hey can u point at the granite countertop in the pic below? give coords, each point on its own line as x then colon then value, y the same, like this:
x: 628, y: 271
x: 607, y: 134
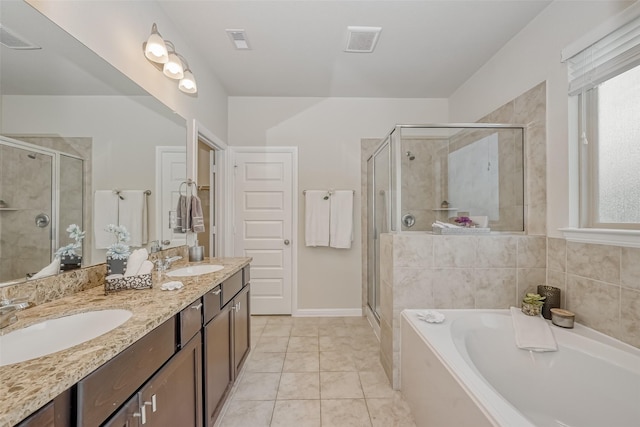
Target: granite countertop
x: 27, y: 386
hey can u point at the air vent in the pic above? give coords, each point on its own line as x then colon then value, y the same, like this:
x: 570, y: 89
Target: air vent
x: 239, y: 39
x: 12, y: 40
x: 362, y: 39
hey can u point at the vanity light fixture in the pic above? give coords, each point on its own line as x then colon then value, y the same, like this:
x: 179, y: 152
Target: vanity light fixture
x: 162, y: 54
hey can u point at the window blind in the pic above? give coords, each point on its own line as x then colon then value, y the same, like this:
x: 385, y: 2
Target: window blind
x: 613, y: 54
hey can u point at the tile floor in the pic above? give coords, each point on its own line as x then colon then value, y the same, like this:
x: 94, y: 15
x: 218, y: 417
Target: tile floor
x: 312, y: 372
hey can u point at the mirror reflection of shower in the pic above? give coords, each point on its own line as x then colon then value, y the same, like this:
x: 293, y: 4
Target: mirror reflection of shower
x: 42, y: 192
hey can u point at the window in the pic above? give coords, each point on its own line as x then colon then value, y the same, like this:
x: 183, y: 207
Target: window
x: 610, y: 155
x: 604, y: 77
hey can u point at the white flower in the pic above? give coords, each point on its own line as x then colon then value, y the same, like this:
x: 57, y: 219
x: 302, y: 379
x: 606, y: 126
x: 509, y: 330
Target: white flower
x: 69, y: 250
x: 75, y: 232
x: 118, y: 251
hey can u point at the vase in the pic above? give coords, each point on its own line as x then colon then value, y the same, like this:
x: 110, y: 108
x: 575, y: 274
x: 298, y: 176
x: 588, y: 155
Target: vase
x: 531, y: 309
x: 552, y: 299
x: 70, y: 262
x: 116, y: 266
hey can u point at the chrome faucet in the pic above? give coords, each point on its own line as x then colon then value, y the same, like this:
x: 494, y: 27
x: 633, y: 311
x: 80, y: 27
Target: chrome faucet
x: 163, y: 265
x: 8, y: 309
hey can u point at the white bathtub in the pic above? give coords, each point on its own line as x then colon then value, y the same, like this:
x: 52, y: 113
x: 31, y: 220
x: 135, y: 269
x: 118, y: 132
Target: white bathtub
x: 467, y: 371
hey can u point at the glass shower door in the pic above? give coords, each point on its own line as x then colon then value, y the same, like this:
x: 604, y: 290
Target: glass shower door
x: 26, y: 213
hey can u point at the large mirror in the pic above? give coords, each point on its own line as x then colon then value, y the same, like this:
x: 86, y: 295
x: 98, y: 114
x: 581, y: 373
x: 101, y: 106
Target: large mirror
x: 73, y: 130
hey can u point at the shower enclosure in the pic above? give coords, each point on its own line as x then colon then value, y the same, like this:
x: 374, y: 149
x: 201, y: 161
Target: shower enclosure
x: 420, y: 174
x: 41, y: 193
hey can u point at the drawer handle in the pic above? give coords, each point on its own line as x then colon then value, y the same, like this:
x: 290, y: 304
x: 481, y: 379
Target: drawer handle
x: 216, y: 292
x: 152, y: 403
x: 142, y: 414
x: 197, y: 307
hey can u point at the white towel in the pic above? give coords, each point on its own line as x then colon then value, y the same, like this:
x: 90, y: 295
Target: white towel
x: 316, y: 219
x: 146, y: 268
x: 133, y: 215
x: 49, y: 270
x: 532, y: 332
x: 135, y: 261
x: 105, y: 212
x: 341, y: 219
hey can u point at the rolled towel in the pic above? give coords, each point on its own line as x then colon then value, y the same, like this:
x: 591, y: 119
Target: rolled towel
x: 146, y: 268
x: 49, y: 270
x: 532, y: 332
x: 171, y: 286
x: 135, y: 261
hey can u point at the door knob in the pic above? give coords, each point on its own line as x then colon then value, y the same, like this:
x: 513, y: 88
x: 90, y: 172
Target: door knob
x: 42, y: 220
x: 286, y: 242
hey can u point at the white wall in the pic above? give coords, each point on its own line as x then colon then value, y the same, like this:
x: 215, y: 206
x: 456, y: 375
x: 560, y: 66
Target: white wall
x: 327, y: 132
x: 123, y: 151
x: 115, y: 30
x: 529, y: 58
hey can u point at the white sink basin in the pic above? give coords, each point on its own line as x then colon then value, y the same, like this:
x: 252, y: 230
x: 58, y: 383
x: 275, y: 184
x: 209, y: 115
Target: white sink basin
x: 58, y: 334
x: 195, y: 270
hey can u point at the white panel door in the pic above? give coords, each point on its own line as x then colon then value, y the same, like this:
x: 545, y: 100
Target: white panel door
x: 263, y: 226
x: 172, y: 164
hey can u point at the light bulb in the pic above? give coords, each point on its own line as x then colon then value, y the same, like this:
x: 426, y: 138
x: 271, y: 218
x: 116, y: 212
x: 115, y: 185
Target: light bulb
x: 188, y: 82
x: 173, y: 67
x: 156, y: 50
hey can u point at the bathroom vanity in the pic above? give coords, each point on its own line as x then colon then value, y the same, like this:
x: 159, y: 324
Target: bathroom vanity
x: 172, y: 363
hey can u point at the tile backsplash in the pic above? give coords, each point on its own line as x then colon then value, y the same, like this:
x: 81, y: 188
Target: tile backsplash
x: 600, y: 283
x: 47, y: 289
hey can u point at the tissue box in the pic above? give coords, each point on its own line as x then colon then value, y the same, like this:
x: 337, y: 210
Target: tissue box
x: 143, y: 281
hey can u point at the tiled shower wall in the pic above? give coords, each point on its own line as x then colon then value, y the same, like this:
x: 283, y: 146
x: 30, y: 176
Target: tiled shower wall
x: 420, y: 270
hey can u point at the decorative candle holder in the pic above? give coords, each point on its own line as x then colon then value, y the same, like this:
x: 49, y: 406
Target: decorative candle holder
x: 552, y: 299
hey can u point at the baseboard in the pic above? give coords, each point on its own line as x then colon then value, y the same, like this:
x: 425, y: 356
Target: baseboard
x: 328, y: 312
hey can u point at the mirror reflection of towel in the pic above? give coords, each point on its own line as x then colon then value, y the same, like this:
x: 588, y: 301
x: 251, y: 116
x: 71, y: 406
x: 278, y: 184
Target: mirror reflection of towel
x: 183, y: 215
x: 197, y: 218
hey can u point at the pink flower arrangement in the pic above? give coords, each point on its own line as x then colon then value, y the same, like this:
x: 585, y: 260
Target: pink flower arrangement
x: 464, y: 221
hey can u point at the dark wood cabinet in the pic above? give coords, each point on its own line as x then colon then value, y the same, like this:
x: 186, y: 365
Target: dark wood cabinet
x: 128, y: 416
x: 173, y: 396
x: 241, y: 329
x: 218, y: 375
x: 56, y: 413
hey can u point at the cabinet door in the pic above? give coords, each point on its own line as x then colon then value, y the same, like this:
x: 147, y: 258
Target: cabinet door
x: 44, y: 417
x: 217, y: 363
x: 173, y: 397
x: 128, y: 416
x: 241, y: 329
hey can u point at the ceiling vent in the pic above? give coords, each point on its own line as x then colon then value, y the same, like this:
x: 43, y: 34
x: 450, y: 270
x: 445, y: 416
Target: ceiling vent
x: 239, y: 39
x: 362, y: 39
x: 12, y: 40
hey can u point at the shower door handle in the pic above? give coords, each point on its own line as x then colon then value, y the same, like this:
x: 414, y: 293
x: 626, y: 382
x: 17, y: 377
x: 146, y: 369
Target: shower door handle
x: 286, y: 242
x: 42, y: 220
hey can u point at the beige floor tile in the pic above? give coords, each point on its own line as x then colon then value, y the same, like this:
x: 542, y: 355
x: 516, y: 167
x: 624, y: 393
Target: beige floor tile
x: 392, y: 412
x: 301, y: 362
x: 259, y: 320
x: 304, y: 330
x: 336, y: 361
x: 302, y: 344
x: 248, y: 413
x: 340, y: 385
x: 331, y: 321
x: 366, y: 360
x: 265, y: 362
x: 257, y: 386
x: 333, y: 343
x: 296, y: 413
x: 276, y: 330
x: 306, y: 321
x: 375, y: 384
x: 298, y: 386
x: 357, y: 321
x: 279, y: 320
x: 344, y: 413
x: 268, y: 344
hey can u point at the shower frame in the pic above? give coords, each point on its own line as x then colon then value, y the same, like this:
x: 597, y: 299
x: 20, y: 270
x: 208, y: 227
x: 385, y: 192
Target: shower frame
x: 394, y: 209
